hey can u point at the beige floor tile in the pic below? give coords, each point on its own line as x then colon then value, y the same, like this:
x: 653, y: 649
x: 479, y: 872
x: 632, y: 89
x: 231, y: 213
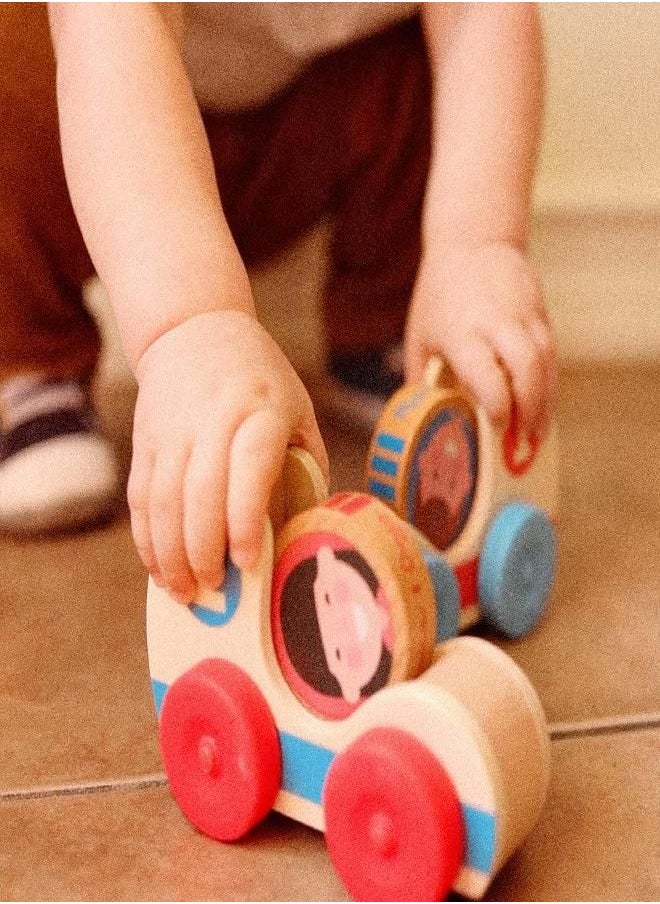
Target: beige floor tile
x: 74, y: 689
x: 137, y: 846
x: 595, y: 654
x: 597, y: 840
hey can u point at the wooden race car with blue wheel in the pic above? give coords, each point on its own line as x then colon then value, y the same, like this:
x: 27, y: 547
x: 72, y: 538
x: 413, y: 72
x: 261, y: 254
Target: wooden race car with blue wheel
x: 486, y: 498
x: 320, y: 684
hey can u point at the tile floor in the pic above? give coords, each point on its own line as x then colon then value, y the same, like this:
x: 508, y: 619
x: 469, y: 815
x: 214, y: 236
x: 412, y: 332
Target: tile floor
x: 85, y: 813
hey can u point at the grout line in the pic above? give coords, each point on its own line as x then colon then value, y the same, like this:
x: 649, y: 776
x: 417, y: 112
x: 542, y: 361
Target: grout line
x: 558, y: 731
x: 594, y: 727
x: 139, y: 783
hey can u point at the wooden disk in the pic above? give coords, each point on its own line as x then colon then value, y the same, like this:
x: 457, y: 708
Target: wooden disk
x: 353, y: 606
x: 423, y: 460
x: 301, y: 486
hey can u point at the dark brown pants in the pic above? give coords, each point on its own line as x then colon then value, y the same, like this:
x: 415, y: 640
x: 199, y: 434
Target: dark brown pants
x: 349, y: 138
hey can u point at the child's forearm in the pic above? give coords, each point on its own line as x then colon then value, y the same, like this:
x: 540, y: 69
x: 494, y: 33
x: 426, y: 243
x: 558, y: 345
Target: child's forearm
x: 487, y: 74
x: 140, y: 171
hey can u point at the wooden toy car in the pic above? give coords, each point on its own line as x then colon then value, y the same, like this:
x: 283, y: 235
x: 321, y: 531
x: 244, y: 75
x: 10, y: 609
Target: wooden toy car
x: 316, y: 688
x: 486, y: 498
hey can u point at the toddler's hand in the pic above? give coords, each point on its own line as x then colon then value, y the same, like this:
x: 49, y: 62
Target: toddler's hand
x: 218, y: 404
x: 482, y: 309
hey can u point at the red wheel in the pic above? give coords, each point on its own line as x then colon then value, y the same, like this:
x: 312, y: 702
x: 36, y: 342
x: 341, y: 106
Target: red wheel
x: 394, y: 827
x: 220, y: 748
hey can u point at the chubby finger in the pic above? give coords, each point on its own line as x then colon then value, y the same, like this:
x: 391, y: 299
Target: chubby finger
x: 415, y: 356
x: 541, y: 333
x: 476, y: 365
x: 204, y: 515
x: 523, y: 362
x: 166, y: 523
x: 256, y: 458
x: 137, y: 494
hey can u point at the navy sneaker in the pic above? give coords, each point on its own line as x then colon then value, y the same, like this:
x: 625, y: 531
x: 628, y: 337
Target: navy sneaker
x: 57, y: 470
x: 358, y: 384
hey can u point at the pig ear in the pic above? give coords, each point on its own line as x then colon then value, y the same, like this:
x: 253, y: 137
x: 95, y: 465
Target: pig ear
x: 325, y: 556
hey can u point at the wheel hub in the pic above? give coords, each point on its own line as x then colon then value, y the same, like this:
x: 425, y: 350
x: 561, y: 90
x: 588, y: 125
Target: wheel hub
x: 382, y: 834
x: 208, y: 755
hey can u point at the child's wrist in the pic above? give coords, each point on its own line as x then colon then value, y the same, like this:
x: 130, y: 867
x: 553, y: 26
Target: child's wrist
x: 439, y: 246
x: 441, y: 230
x: 147, y: 309
x: 201, y: 320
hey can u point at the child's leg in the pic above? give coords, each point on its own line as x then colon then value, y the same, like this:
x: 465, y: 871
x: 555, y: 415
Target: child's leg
x: 56, y: 470
x: 43, y: 261
x: 384, y: 88
x: 352, y: 137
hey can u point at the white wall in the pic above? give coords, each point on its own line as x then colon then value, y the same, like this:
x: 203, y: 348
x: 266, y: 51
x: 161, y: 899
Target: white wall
x: 602, y: 130
x: 597, y: 236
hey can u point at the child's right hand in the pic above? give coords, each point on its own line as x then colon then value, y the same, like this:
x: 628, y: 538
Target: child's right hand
x: 218, y: 405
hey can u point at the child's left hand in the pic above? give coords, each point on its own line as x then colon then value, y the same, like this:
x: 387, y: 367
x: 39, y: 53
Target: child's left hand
x: 481, y: 308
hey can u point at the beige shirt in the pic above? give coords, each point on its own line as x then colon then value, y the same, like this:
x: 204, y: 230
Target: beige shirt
x: 239, y: 55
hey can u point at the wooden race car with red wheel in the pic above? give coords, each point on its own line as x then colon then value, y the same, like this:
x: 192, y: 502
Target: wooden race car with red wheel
x: 321, y: 684
x: 485, y: 497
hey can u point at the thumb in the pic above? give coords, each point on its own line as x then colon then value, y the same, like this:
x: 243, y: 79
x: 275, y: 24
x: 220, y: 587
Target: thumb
x: 415, y: 356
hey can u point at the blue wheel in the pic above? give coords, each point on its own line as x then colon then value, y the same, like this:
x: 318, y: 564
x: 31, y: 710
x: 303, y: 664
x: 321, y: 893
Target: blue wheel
x: 516, y: 568
x: 447, y: 598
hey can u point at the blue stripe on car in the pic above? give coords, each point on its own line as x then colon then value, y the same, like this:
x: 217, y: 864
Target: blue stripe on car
x: 384, y: 465
x: 390, y: 443
x: 304, y: 766
x: 158, y: 689
x: 381, y: 489
x: 480, y: 835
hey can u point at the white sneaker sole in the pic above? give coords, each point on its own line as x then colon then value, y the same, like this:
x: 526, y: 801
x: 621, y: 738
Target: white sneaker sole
x: 60, y: 483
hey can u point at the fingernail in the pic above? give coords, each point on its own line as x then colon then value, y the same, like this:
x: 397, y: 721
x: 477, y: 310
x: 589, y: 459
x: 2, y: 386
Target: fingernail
x: 243, y: 558
x: 184, y: 596
x: 212, y: 581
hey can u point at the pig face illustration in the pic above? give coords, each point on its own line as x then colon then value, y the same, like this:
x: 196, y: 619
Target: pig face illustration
x: 353, y: 620
x: 445, y: 482
x: 444, y: 467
